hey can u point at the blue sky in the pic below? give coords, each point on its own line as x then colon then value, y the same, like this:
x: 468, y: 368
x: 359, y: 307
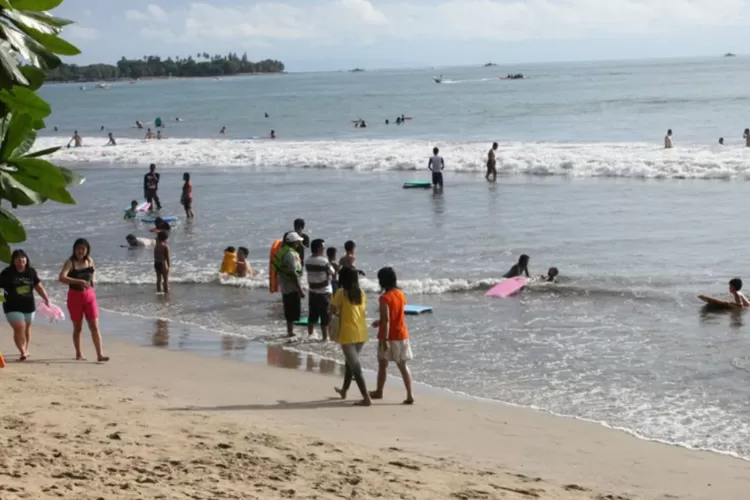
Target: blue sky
x: 342, y: 34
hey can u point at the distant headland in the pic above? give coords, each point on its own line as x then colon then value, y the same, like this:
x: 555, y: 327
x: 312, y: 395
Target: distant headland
x: 202, y: 65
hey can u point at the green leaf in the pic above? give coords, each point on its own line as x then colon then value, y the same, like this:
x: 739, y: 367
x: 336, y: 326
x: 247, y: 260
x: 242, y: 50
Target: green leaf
x: 29, y: 24
x: 41, y: 57
x: 38, y: 124
x: 73, y: 177
x: 23, y: 100
x: 48, y: 18
x: 44, y: 152
x: 5, y: 4
x: 36, y: 5
x: 5, y: 251
x: 10, y: 72
x: 43, y: 188
x: 11, y: 229
x: 18, y: 129
x: 25, y: 146
x: 53, y: 43
x: 34, y: 76
x: 44, y: 171
x: 16, y: 192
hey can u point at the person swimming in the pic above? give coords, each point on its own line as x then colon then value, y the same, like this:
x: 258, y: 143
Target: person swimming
x: 159, y: 136
x: 551, y: 276
x: 519, y: 269
x: 138, y: 124
x: 132, y: 211
x: 149, y: 134
x: 112, y: 141
x: 161, y: 225
x: 135, y: 242
x: 273, y: 134
x: 746, y: 136
x: 721, y: 141
x: 223, y: 130
x: 735, y: 287
x: 229, y: 261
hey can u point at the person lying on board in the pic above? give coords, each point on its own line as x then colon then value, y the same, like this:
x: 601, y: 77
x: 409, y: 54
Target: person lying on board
x: 135, y: 242
x: 551, y: 276
x: 735, y: 285
x: 519, y: 269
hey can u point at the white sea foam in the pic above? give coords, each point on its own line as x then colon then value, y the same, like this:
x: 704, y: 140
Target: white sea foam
x: 634, y: 160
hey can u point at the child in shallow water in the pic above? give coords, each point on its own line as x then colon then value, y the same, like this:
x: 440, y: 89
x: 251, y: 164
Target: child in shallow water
x: 735, y: 285
x: 242, y: 267
x: 132, y: 211
x: 519, y: 269
x: 551, y: 276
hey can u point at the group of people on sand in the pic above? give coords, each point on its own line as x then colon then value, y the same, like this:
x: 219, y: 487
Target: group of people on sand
x: 20, y: 280
x: 668, y: 144
x: 337, y: 302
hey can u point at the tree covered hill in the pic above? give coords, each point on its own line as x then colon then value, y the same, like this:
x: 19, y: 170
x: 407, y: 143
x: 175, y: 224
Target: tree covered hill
x: 156, y: 67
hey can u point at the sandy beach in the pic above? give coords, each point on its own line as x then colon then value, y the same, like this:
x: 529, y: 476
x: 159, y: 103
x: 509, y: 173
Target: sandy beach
x: 172, y: 425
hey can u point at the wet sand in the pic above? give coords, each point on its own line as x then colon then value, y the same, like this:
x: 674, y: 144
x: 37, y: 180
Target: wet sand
x: 174, y: 425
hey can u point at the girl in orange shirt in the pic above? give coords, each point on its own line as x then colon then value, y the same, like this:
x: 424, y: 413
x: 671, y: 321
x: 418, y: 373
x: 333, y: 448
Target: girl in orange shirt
x: 393, y: 336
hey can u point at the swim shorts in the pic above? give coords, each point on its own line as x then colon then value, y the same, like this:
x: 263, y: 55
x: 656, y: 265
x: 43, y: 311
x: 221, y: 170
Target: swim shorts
x: 292, y: 306
x: 319, y: 306
x: 82, y: 303
x: 437, y: 179
x: 15, y: 317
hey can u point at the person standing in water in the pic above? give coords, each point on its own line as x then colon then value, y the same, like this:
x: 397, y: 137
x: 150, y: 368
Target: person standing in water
x: 746, y: 136
x: 162, y: 262
x: 436, y: 166
x: 76, y: 139
x: 186, y: 199
x: 79, y: 273
x: 112, y: 141
x: 668, y: 139
x: 151, y: 187
x: 491, y: 164
x: 319, y: 276
x: 288, y: 266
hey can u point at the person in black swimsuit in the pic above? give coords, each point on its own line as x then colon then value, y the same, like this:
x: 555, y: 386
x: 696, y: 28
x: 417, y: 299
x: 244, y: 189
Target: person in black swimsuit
x: 151, y: 187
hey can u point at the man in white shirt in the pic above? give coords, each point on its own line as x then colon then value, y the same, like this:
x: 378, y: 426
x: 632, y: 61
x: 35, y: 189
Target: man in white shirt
x: 436, y: 166
x: 319, y: 275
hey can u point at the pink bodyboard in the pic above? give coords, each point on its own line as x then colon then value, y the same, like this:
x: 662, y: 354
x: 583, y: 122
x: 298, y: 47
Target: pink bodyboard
x: 507, y: 287
x: 51, y: 312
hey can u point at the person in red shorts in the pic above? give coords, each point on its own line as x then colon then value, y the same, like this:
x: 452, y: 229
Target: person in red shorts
x: 79, y: 273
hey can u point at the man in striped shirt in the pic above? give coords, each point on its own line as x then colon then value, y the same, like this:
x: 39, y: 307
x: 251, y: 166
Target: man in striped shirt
x: 319, y: 275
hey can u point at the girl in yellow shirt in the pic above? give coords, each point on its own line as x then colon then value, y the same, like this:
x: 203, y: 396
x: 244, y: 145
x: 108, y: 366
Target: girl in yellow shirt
x: 350, y: 303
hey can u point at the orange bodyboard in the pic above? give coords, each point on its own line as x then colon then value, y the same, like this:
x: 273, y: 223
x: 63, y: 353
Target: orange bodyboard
x: 273, y: 282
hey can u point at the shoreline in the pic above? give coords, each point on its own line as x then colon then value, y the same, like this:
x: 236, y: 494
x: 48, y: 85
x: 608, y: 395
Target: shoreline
x: 150, y: 78
x: 476, y: 434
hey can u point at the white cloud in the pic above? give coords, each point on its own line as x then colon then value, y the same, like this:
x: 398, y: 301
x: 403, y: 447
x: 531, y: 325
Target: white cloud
x: 153, y: 13
x: 80, y: 33
x: 361, y: 21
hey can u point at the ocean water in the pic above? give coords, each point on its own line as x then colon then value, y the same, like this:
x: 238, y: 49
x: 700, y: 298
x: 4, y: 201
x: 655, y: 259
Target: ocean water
x: 637, y: 232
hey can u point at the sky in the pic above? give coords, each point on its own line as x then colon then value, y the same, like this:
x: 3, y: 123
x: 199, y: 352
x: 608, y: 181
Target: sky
x: 312, y: 35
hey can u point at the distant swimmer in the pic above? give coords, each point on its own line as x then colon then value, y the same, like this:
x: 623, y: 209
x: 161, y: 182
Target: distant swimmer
x: 436, y: 166
x: 492, y: 164
x: 138, y: 124
x: 387, y: 122
x: 668, y: 139
x: 362, y: 124
x: 101, y: 129
x: 149, y: 134
x: 112, y: 141
x: 519, y: 269
x: 158, y: 135
x: 76, y: 139
x: 55, y: 129
x: 178, y: 119
x: 135, y: 242
x: 266, y: 115
x: 746, y: 136
x: 223, y: 130
x: 273, y: 134
x: 398, y: 120
x: 721, y: 141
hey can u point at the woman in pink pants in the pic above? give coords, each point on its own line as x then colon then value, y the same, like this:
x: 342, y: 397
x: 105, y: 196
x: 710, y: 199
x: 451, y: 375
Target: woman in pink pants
x: 78, y: 273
